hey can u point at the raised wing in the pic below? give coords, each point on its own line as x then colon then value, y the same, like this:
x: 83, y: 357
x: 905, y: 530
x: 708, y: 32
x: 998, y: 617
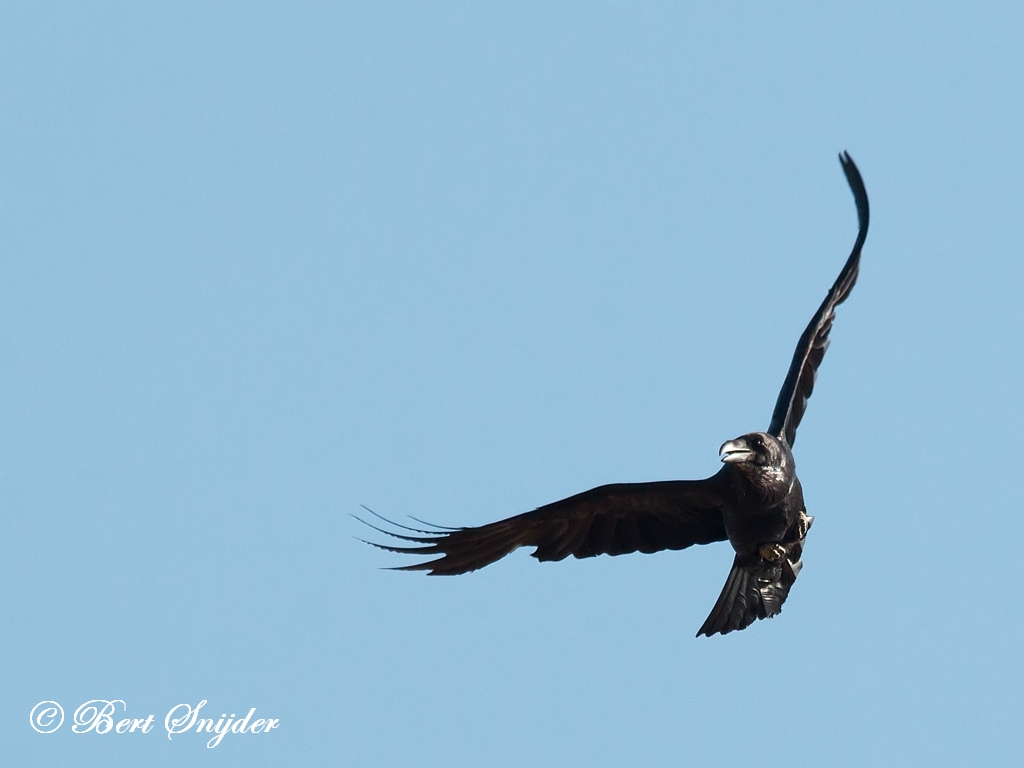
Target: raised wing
x: 608, y: 520
x: 799, y: 384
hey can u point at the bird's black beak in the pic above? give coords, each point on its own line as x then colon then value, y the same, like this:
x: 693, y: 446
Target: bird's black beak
x: 735, y: 451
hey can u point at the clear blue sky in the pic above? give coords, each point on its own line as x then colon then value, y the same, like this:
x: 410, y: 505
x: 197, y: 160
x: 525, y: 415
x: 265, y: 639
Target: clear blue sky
x: 261, y: 265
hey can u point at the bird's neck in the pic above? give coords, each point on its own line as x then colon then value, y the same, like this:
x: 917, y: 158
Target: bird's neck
x: 768, y: 484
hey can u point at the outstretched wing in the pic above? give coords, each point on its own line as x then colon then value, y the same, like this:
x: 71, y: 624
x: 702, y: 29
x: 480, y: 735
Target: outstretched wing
x: 799, y: 384
x: 608, y: 520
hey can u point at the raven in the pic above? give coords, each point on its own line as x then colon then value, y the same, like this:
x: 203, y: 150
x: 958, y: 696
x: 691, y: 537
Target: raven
x: 754, y: 501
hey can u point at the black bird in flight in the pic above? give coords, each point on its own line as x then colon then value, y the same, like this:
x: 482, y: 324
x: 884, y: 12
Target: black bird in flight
x: 755, y: 500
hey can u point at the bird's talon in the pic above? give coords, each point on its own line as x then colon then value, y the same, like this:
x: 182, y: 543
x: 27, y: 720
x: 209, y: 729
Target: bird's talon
x: 803, y: 525
x: 773, y: 553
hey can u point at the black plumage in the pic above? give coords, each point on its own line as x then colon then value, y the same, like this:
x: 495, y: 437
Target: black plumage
x: 755, y: 501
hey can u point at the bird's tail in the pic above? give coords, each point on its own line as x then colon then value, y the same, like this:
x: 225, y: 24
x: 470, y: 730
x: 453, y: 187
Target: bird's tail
x: 755, y: 589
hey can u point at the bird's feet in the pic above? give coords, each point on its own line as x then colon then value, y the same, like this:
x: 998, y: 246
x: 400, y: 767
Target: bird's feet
x: 803, y: 525
x: 772, y: 553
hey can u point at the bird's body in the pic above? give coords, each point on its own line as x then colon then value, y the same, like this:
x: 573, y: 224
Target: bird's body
x: 755, y: 501
x: 765, y: 500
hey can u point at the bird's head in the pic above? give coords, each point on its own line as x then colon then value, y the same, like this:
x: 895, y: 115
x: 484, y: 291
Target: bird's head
x: 754, y: 451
